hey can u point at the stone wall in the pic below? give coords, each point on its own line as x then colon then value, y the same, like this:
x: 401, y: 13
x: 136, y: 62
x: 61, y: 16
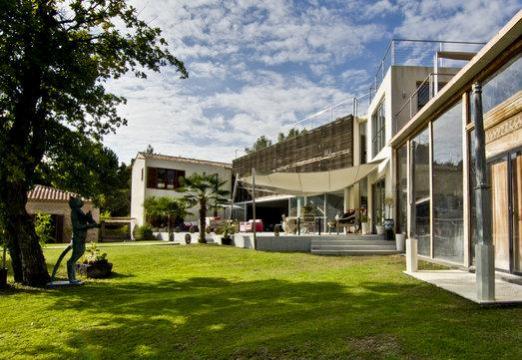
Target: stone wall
x: 62, y: 208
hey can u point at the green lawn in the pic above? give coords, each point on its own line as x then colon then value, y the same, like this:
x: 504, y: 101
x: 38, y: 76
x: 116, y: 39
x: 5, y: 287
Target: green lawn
x: 210, y: 302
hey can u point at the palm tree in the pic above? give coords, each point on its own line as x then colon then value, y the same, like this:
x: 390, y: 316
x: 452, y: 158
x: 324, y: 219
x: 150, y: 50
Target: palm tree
x: 206, y: 191
x: 168, y: 207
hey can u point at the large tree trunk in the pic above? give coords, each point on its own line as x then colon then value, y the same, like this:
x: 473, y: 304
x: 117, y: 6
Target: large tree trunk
x: 26, y: 253
x: 202, y: 217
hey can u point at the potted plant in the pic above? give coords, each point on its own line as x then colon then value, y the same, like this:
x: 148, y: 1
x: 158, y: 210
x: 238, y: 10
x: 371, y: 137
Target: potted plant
x: 364, y: 223
x: 227, y: 229
x: 400, y: 240
x: 3, y: 269
x: 95, y: 264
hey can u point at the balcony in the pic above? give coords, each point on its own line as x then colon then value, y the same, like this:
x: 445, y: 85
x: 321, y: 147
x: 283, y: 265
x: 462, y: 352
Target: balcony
x: 427, y: 89
x: 428, y: 53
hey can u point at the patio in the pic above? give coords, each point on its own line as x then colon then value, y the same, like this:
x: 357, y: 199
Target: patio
x: 463, y: 283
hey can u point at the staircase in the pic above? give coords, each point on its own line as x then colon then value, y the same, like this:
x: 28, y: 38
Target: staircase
x: 353, y: 245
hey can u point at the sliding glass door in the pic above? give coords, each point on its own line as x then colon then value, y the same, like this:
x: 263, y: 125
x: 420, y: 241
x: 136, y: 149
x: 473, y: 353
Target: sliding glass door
x: 500, y: 212
x: 505, y: 174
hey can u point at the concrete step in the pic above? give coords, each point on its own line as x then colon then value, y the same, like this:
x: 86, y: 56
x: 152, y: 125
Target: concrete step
x: 354, y: 252
x: 348, y: 237
x: 354, y: 247
x: 352, y: 242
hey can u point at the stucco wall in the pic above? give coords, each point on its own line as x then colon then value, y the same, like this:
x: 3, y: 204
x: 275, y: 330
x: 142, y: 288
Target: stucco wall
x: 62, y: 208
x: 140, y: 192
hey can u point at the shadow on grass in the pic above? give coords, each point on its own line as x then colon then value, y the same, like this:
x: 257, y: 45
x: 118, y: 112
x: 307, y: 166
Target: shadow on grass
x: 206, y: 317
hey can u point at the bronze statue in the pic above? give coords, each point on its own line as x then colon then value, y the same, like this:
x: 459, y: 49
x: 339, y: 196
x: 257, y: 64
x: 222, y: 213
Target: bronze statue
x: 81, y: 222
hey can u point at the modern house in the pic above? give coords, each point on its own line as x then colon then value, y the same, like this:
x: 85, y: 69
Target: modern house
x: 433, y: 156
x: 160, y: 175
x: 55, y: 202
x: 328, y: 147
x: 416, y: 138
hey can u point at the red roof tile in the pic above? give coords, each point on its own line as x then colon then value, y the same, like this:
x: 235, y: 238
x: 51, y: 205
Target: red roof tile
x: 47, y: 193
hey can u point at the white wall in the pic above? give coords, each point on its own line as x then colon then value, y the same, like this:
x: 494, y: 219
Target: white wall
x: 398, y: 84
x: 140, y: 192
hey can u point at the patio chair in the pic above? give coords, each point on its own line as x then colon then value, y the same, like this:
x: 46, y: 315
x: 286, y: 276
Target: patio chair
x: 349, y: 220
x: 290, y: 224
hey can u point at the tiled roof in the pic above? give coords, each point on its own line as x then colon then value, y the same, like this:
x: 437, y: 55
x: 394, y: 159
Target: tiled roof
x: 47, y: 193
x: 183, y: 159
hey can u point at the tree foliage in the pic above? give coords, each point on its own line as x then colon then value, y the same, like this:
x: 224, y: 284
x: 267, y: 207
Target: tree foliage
x: 166, y: 207
x: 261, y: 143
x: 293, y: 132
x: 207, y: 192
x: 56, y: 57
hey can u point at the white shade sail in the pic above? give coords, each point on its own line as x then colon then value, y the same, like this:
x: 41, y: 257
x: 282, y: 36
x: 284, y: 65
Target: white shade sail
x: 308, y: 183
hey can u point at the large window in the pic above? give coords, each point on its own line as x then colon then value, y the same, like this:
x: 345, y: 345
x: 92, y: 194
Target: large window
x: 159, y: 178
x: 378, y: 129
x: 421, y: 158
x: 502, y: 85
x: 402, y: 188
x: 448, y: 210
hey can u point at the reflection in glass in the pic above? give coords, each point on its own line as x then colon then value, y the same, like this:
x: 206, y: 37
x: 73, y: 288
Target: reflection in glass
x: 448, y: 209
x: 503, y: 84
x: 402, y: 189
x: 421, y: 158
x: 422, y: 225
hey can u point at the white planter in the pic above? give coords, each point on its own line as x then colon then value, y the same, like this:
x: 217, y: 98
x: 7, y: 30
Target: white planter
x: 379, y: 229
x: 400, y: 240
x: 364, y: 228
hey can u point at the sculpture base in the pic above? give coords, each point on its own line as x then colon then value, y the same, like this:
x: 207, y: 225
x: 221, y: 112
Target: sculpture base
x: 63, y: 283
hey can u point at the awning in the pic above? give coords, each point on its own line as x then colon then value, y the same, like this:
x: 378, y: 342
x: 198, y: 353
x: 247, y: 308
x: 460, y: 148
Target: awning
x: 308, y: 183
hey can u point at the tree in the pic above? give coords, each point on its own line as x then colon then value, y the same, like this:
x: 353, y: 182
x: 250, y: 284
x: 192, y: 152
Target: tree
x: 90, y: 169
x: 261, y: 143
x: 293, y: 132
x: 205, y: 191
x: 166, y: 207
x: 55, y: 59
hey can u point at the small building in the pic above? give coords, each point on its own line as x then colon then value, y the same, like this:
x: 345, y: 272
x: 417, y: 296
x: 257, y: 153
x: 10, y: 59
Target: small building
x: 160, y: 175
x: 48, y: 200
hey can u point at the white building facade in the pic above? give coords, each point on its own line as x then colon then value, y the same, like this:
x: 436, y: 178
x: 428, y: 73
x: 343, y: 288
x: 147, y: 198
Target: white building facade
x: 160, y: 175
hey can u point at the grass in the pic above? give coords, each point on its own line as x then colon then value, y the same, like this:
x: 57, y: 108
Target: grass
x: 210, y: 302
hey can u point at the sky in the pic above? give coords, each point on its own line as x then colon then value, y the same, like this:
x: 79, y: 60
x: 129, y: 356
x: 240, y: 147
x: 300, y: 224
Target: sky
x: 259, y: 67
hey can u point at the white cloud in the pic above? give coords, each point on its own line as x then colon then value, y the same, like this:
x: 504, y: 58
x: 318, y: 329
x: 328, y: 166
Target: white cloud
x: 257, y: 67
x: 471, y: 20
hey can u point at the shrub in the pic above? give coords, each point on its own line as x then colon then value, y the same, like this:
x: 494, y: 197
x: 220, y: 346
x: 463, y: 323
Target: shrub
x: 143, y: 233
x: 43, y: 228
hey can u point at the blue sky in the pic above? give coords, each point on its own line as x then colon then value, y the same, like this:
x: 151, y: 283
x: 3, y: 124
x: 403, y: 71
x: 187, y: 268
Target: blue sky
x: 257, y: 67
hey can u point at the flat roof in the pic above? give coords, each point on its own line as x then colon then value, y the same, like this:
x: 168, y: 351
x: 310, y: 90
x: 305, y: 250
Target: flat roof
x: 147, y: 156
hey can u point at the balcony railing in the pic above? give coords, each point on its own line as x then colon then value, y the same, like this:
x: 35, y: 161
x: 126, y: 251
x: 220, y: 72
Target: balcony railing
x: 420, y: 97
x: 409, y: 52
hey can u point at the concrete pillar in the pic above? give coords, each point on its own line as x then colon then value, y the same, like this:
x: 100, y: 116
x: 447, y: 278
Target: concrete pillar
x: 485, y: 251
x: 411, y: 255
x: 485, y: 260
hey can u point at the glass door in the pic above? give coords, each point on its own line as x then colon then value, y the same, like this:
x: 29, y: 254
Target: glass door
x: 516, y: 172
x: 500, y: 211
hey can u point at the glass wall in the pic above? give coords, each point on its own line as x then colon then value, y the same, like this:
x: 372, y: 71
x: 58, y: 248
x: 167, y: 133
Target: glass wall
x: 334, y: 205
x: 378, y: 129
x: 421, y: 158
x: 502, y: 85
x: 402, y: 189
x: 292, y: 207
x: 448, y: 208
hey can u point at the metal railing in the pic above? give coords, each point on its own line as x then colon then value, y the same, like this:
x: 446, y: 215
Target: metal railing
x: 418, y: 53
x: 355, y: 105
x: 418, y: 98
